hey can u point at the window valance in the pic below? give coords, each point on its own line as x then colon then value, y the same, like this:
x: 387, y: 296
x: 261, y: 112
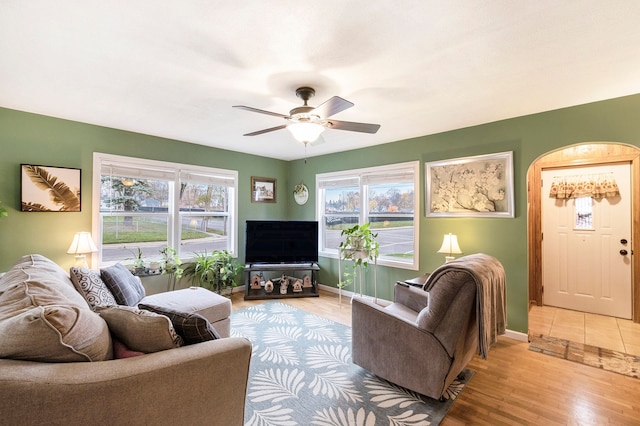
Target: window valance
x: 596, y: 186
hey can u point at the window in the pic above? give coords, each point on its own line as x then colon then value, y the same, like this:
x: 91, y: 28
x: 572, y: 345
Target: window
x: 583, y: 207
x: 384, y: 196
x: 148, y: 205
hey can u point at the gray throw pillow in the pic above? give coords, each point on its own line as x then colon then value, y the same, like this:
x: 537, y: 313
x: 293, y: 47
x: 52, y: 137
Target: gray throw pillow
x: 193, y: 328
x: 125, y: 287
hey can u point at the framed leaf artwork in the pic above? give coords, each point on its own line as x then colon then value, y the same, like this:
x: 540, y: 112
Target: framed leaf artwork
x: 49, y: 189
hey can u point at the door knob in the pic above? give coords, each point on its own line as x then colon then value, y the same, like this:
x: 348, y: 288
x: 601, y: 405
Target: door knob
x: 623, y: 252
x: 623, y: 241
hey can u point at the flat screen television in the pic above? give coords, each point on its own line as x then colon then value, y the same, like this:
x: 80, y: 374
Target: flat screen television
x: 275, y: 241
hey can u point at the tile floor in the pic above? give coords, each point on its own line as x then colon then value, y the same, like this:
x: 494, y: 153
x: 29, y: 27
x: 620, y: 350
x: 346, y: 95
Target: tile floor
x: 591, y: 329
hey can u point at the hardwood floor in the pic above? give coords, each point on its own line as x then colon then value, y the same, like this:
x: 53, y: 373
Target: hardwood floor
x: 515, y: 386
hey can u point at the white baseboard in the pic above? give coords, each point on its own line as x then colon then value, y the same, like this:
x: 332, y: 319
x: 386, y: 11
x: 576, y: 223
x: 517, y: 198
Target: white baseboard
x: 517, y: 335
x: 350, y: 294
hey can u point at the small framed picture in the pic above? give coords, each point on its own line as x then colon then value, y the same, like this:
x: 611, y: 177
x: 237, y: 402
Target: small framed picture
x: 263, y: 190
x: 49, y: 189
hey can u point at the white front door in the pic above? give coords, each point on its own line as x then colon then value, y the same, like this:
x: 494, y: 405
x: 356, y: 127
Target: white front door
x: 586, y: 246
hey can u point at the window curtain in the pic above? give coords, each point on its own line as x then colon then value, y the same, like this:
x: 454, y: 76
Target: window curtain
x: 595, y: 186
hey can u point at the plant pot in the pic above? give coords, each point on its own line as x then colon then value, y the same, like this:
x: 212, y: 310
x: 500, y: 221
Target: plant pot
x: 356, y: 254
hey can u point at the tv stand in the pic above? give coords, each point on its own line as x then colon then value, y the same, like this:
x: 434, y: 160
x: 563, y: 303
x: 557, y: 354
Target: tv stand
x: 274, y: 272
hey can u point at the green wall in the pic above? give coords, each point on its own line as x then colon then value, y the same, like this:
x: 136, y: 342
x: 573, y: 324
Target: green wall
x: 528, y: 137
x: 36, y: 139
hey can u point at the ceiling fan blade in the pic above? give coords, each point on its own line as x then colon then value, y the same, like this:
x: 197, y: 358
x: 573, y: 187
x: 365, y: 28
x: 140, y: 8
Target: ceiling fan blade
x: 271, y: 129
x: 353, y: 127
x: 261, y: 111
x: 331, y: 107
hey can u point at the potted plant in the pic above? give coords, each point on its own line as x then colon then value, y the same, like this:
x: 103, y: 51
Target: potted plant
x: 171, y: 262
x: 360, y: 247
x: 216, y: 271
x: 171, y: 265
x: 138, y: 263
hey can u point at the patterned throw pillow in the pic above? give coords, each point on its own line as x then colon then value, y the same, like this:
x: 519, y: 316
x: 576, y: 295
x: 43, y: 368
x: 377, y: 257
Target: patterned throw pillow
x: 125, y: 287
x: 90, y: 285
x: 193, y: 328
x: 139, y: 330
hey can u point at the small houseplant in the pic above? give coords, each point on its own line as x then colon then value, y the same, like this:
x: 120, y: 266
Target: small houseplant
x: 138, y: 262
x: 171, y: 265
x: 171, y: 262
x: 360, y: 244
x: 216, y: 271
x: 360, y: 247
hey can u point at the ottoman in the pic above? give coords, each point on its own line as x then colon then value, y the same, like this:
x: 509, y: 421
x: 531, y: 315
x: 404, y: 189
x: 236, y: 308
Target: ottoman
x: 210, y: 305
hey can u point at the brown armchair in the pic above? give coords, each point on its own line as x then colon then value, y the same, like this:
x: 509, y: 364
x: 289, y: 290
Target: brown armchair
x: 424, y: 339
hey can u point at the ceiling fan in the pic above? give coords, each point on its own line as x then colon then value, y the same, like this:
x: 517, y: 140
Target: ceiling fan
x: 306, y: 123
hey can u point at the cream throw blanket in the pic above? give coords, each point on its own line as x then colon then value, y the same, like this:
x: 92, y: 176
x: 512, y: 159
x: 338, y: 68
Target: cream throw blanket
x: 491, y: 310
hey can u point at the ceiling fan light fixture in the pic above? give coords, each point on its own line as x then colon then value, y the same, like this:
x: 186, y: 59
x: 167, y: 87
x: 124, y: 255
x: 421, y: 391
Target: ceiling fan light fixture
x: 306, y: 123
x: 305, y: 131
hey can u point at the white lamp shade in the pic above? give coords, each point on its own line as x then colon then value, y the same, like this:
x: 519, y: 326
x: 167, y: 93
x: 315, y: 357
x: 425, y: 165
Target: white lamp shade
x: 82, y: 243
x: 305, y: 131
x: 450, y: 245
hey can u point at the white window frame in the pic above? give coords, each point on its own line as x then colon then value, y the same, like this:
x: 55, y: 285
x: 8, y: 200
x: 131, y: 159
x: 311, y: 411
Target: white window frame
x: 362, y: 177
x: 172, y: 172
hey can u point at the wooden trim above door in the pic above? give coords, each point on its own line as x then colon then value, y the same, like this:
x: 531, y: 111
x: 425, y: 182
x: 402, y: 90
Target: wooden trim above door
x: 579, y: 155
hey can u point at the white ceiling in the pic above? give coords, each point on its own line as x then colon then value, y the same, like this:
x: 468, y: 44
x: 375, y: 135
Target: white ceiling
x: 175, y: 68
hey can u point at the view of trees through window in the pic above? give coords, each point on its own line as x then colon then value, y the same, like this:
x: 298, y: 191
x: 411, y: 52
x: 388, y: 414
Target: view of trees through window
x: 391, y: 207
x: 143, y: 215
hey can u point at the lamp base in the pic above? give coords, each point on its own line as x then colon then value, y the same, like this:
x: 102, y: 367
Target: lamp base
x: 81, y: 261
x: 448, y: 259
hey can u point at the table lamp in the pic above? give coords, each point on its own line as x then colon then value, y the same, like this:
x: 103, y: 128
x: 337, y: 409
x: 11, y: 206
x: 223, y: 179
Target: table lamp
x: 81, y: 245
x: 450, y: 246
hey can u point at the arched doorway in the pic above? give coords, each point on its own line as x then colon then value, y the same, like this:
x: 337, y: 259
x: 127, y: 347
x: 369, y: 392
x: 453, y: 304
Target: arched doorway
x: 594, y: 153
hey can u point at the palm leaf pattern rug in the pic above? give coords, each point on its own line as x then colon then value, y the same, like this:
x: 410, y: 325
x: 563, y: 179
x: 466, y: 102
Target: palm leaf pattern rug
x: 301, y: 374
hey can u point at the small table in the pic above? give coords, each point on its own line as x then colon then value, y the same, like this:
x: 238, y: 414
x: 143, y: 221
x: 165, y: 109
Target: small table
x: 418, y: 281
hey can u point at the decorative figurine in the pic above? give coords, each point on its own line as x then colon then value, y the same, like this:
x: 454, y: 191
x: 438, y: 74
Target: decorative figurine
x: 297, y: 286
x: 306, y: 281
x: 268, y: 286
x: 255, y: 283
x: 284, y: 285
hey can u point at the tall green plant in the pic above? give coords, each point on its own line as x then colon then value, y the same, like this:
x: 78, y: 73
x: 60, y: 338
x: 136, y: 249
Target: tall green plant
x: 215, y: 271
x: 360, y: 247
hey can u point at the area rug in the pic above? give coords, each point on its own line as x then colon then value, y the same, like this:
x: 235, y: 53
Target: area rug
x: 301, y: 374
x: 605, y: 359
